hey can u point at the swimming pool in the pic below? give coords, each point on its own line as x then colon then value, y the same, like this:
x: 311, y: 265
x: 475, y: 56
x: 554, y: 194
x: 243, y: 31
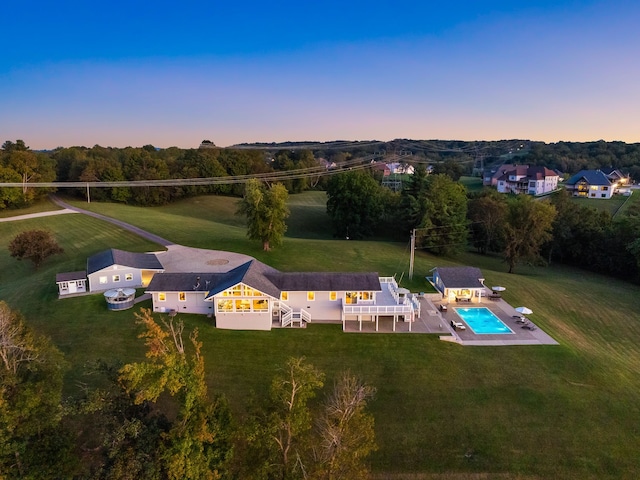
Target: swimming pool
x: 482, y: 320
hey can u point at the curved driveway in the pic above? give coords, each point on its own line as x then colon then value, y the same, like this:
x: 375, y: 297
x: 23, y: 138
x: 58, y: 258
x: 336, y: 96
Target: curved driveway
x: 177, y: 258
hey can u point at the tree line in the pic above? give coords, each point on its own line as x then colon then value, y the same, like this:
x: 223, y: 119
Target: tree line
x: 155, y: 419
x: 435, y: 205
x: 523, y: 230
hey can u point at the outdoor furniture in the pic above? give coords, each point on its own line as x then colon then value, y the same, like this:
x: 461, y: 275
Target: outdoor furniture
x: 494, y: 296
x: 458, y: 325
x: 443, y: 308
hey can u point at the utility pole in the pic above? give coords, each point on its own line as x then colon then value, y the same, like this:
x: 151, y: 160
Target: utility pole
x: 413, y: 249
x: 88, y: 197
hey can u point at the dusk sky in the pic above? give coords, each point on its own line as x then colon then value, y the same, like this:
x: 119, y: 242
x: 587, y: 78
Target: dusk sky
x: 122, y: 73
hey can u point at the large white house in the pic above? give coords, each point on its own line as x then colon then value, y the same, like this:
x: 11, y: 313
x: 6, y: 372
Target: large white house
x: 527, y: 180
x: 255, y: 296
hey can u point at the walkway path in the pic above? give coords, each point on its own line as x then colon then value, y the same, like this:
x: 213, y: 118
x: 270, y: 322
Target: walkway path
x: 36, y: 215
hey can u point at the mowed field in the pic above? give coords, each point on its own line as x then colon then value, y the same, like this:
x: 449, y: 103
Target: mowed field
x: 441, y: 410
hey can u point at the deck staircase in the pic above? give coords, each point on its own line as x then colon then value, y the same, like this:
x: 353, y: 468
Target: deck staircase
x: 290, y: 318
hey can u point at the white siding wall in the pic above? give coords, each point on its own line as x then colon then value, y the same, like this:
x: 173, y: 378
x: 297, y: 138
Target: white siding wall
x: 320, y: 309
x: 109, y: 272
x: 195, y: 303
x: 244, y: 321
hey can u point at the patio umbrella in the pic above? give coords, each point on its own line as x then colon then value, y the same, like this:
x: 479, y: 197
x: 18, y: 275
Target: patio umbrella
x: 524, y: 310
x: 498, y: 289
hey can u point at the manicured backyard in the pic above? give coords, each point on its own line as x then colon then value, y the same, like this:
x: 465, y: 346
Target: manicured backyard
x: 567, y: 411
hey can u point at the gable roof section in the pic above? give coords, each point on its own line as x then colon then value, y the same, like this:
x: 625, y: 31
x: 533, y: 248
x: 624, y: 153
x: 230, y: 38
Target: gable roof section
x: 326, y: 282
x: 253, y: 274
x: 113, y: 256
x: 70, y: 276
x: 592, y: 177
x: 460, y: 277
x: 540, y: 173
x: 527, y: 172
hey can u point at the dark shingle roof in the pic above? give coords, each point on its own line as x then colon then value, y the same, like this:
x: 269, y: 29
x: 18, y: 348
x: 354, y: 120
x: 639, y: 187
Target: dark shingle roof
x: 326, y: 282
x: 69, y: 276
x: 113, y: 256
x: 592, y: 177
x: 460, y: 277
x: 264, y: 278
x: 184, y: 282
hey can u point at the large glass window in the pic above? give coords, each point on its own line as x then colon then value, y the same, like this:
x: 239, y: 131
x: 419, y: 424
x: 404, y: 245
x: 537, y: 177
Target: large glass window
x: 242, y: 305
x: 116, y: 278
x: 261, y: 305
x: 103, y: 280
x: 225, y: 305
x: 284, y: 296
x: 162, y: 297
x: 128, y: 277
x: 333, y: 296
x: 182, y: 296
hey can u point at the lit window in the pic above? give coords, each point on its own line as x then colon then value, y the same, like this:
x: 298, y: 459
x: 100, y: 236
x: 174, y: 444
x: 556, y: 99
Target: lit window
x: 260, y: 305
x: 225, y: 305
x: 242, y: 305
x: 103, y: 280
x: 182, y: 296
x: 284, y: 296
x: 116, y: 278
x: 162, y: 297
x: 333, y: 296
x: 351, y: 297
x: 128, y: 277
x: 311, y: 296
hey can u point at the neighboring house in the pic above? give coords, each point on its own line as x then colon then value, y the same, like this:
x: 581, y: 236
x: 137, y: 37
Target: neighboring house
x: 459, y: 283
x: 70, y: 283
x: 490, y: 176
x: 621, y: 182
x: 590, y: 184
x: 401, y: 168
x: 527, y: 180
x: 255, y: 296
x: 119, y: 269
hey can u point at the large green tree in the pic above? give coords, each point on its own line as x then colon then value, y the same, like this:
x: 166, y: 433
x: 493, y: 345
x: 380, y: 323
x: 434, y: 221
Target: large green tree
x: 443, y: 229
x: 413, y: 200
x: 34, y: 245
x: 487, y: 214
x: 265, y: 209
x: 354, y: 204
x: 345, y: 431
x: 529, y: 225
x: 33, y: 443
x: 196, y: 446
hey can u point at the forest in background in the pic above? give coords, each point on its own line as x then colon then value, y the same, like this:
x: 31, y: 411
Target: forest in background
x: 358, y: 204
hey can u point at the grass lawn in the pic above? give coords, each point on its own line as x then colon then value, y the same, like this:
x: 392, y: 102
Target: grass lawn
x: 473, y: 184
x: 611, y: 205
x: 43, y: 205
x: 567, y: 411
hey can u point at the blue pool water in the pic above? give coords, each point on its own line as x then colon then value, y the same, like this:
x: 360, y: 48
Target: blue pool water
x: 482, y: 320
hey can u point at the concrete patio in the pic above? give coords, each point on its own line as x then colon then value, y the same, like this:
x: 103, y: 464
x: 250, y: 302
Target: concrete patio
x: 433, y: 321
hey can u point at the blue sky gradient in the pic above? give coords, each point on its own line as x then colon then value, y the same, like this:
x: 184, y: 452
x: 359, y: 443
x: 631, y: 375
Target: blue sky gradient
x: 174, y: 73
